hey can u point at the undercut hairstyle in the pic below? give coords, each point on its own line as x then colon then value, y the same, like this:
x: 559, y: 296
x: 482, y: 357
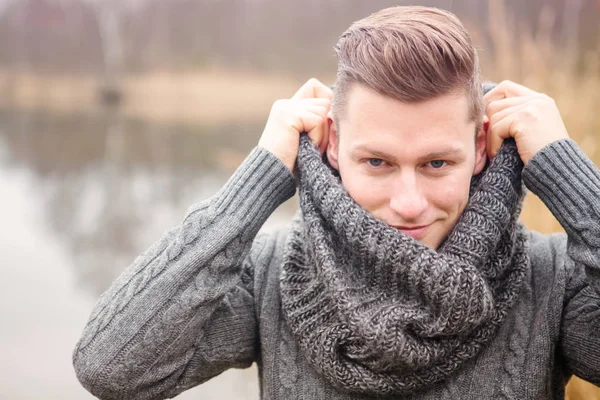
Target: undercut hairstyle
x: 411, y: 54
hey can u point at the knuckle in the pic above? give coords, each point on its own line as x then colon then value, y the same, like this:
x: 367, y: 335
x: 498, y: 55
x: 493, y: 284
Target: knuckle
x: 295, y: 122
x: 530, y: 112
x: 321, y: 102
x: 492, y: 107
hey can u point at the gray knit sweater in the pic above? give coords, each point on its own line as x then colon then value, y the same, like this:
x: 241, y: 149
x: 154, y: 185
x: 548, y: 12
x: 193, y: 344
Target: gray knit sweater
x: 205, y: 298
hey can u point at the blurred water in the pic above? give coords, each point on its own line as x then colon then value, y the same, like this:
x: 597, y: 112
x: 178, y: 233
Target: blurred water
x: 81, y: 196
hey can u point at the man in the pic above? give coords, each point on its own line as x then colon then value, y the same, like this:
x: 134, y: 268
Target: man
x: 406, y: 273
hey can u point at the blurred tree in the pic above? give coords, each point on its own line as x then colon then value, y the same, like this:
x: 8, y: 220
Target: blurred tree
x: 120, y: 36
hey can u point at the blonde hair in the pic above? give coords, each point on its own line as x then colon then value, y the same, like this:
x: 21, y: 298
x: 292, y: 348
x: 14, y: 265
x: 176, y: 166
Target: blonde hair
x: 411, y: 54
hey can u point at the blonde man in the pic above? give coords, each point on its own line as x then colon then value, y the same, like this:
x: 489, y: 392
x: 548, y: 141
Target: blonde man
x: 405, y: 274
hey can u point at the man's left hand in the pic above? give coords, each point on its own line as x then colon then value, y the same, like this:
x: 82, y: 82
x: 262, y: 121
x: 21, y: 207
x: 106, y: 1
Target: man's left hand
x: 531, y: 118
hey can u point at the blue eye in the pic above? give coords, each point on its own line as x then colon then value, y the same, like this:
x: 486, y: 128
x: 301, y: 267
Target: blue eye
x: 437, y: 163
x: 375, y: 162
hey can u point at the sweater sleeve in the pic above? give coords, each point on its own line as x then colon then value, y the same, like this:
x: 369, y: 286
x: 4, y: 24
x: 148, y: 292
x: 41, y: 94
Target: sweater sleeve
x: 183, y: 311
x: 568, y: 182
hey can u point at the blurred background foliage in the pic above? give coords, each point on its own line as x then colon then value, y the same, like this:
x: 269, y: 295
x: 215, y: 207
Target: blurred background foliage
x: 84, y: 36
x: 118, y: 114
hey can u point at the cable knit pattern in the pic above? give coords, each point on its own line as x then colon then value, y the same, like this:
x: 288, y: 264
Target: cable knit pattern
x: 288, y: 374
x: 207, y: 297
x: 514, y: 358
x: 161, y: 302
x: 377, y: 312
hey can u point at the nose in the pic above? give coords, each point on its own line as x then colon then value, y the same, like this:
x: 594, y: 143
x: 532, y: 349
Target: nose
x: 407, y: 199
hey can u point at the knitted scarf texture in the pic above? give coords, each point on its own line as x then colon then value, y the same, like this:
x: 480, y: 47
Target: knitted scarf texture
x: 378, y: 313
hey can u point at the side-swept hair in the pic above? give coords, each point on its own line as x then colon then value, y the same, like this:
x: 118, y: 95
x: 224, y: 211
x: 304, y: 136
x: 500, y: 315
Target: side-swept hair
x: 411, y: 54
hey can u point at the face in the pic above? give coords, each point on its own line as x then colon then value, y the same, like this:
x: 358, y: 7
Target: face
x: 408, y: 164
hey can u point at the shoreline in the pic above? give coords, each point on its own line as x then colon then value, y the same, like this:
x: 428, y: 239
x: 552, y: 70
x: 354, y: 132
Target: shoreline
x: 209, y: 96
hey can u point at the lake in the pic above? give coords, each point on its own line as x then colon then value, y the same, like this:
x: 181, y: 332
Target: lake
x: 82, y: 196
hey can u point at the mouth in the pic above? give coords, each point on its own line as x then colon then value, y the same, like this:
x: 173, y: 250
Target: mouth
x: 416, y: 232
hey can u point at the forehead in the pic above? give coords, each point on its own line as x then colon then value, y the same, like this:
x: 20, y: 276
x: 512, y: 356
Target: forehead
x: 372, y: 117
x: 361, y: 100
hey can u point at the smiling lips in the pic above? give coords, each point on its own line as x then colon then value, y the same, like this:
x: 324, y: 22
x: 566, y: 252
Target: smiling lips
x: 416, y: 232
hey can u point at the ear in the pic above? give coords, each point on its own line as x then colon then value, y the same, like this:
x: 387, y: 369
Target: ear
x: 480, y: 148
x: 332, y: 143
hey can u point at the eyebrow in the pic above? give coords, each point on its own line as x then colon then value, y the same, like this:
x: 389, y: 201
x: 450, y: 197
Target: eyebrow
x: 434, y: 155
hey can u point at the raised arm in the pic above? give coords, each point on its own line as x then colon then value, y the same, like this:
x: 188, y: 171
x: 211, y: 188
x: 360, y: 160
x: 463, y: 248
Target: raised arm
x: 569, y: 184
x: 184, y: 310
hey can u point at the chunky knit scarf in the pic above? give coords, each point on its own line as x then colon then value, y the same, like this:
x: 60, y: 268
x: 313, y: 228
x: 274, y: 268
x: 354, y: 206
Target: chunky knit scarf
x: 376, y: 312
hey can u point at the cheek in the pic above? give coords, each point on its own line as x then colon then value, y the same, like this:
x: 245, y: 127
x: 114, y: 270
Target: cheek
x: 368, y: 192
x: 452, y: 194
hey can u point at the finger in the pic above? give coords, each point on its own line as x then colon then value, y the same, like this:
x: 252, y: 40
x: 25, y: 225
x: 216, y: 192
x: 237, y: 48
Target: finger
x: 315, y: 101
x: 323, y: 91
x: 319, y: 134
x: 497, y: 133
x: 316, y: 109
x: 307, y: 121
x: 500, y: 115
x: 315, y: 127
x: 313, y: 88
x: 318, y: 106
x: 506, y: 89
x: 502, y: 104
x: 305, y: 90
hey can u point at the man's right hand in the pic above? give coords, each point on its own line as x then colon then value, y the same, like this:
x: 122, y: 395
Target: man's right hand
x: 307, y: 111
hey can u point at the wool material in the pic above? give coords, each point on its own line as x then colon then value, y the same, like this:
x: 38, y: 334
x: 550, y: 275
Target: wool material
x: 376, y: 312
